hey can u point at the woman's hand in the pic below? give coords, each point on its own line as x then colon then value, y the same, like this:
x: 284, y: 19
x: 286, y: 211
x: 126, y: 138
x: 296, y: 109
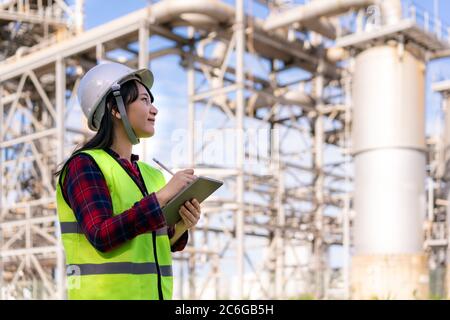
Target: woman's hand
x: 179, y: 180
x: 190, y: 213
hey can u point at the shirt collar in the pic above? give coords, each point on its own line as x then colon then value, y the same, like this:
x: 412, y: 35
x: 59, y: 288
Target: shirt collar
x: 134, y: 157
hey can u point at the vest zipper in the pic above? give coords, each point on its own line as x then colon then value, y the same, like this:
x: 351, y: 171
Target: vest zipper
x: 155, y: 252
x: 160, y: 294
x: 145, y: 193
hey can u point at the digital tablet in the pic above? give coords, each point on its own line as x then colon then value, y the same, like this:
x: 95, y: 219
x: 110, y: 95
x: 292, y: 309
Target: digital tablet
x: 200, y: 189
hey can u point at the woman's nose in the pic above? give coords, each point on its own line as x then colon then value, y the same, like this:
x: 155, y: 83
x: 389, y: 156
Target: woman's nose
x: 154, y: 110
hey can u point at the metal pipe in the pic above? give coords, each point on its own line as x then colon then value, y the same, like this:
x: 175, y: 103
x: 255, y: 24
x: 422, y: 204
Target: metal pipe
x: 390, y: 10
x: 173, y: 10
x: 322, y: 26
x: 314, y: 10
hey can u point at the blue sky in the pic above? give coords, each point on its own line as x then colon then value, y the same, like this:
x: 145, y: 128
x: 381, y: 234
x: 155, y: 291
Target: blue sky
x: 96, y: 12
x: 100, y: 11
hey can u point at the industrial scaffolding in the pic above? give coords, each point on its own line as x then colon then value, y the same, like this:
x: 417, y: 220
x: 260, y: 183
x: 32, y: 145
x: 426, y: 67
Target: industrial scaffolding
x: 268, y: 234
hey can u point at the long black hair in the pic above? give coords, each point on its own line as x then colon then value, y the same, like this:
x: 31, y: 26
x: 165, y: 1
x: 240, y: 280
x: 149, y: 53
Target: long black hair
x: 104, y: 136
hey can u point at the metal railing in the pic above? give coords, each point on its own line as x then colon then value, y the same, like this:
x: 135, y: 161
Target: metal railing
x: 425, y: 20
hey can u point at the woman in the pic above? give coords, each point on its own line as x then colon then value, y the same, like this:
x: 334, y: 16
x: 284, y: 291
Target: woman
x: 115, y: 237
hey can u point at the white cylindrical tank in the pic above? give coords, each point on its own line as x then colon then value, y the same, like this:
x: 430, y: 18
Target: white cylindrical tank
x: 389, y: 201
x: 388, y: 100
x: 389, y: 151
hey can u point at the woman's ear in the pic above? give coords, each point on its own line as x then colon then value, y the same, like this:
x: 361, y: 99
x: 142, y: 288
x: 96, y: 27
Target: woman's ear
x: 116, y: 114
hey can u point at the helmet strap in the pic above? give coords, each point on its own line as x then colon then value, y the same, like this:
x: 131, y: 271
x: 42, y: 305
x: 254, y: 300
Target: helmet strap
x: 129, y: 130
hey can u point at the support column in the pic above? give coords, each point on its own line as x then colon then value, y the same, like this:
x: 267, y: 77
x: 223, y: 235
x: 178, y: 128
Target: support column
x: 191, y: 103
x: 191, y: 155
x: 239, y: 28
x: 1, y: 188
x: 280, y: 260
x: 318, y: 245
x: 143, y: 63
x: 347, y: 208
x: 60, y: 110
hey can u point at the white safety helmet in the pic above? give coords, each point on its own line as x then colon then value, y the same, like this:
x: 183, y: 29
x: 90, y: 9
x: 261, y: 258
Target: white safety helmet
x: 98, y: 82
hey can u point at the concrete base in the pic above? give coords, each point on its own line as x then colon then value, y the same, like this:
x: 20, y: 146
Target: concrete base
x: 396, y: 276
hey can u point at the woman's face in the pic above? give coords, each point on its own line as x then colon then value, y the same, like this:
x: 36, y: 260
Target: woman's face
x: 142, y: 113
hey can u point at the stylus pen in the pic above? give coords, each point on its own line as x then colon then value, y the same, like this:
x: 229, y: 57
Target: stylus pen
x: 162, y: 166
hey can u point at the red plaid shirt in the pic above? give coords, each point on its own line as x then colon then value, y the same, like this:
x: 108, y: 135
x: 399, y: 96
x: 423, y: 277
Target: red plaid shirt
x: 88, y: 195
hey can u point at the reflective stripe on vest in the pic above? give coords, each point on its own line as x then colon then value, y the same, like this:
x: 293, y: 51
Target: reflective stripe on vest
x: 74, y: 227
x: 117, y: 268
x: 140, y: 268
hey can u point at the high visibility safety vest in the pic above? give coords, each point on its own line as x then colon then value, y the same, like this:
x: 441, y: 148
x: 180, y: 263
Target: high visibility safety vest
x: 139, y: 269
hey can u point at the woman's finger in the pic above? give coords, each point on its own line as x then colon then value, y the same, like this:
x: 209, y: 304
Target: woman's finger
x: 184, y: 217
x: 190, y: 207
x: 188, y: 177
x: 186, y: 180
x: 196, y: 204
x: 194, y: 211
x: 188, y: 218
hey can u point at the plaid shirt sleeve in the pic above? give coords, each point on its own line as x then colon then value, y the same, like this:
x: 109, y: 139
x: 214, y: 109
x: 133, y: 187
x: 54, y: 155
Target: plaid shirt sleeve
x: 180, y: 244
x: 89, y: 197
